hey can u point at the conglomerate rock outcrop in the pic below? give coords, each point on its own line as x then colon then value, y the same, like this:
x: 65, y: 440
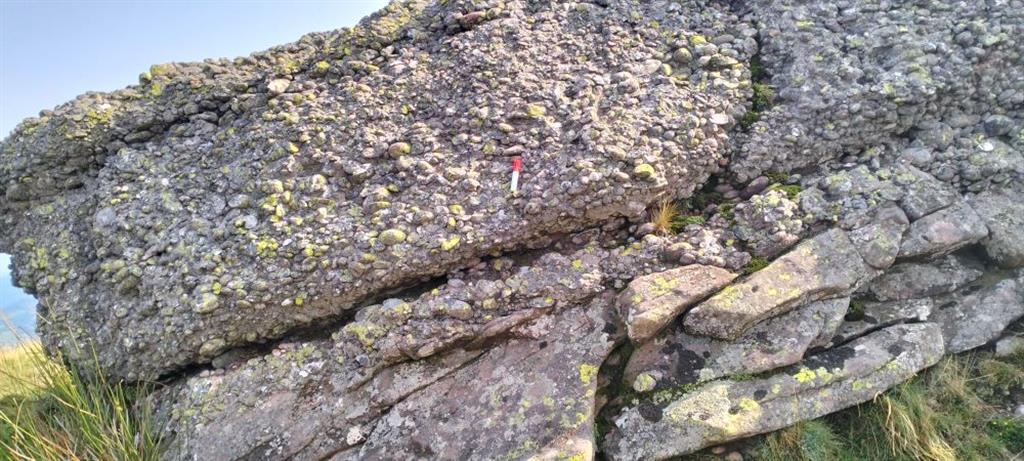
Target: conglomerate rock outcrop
x: 317, y: 250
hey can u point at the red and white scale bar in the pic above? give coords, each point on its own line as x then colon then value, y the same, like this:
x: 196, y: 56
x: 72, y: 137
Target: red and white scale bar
x: 517, y: 165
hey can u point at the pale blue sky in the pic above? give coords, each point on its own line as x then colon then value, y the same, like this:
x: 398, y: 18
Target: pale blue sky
x: 52, y: 51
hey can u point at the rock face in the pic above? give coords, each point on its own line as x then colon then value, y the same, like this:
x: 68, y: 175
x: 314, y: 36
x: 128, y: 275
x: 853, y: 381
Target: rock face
x: 726, y: 410
x: 317, y: 250
x: 826, y: 266
x: 974, y: 318
x: 1003, y: 213
x: 652, y: 301
x: 943, y: 232
x: 213, y: 206
x: 677, y: 359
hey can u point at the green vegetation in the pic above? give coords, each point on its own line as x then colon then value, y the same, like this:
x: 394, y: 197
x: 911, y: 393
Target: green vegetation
x: 856, y: 311
x: 49, y: 411
x: 756, y: 263
x: 791, y: 190
x: 663, y: 217
x: 808, y: 441
x: 763, y: 94
x: 953, y: 411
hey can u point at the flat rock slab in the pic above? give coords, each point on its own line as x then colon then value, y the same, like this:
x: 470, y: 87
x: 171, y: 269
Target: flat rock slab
x: 921, y: 280
x: 972, y: 318
x: 675, y: 358
x: 652, y: 301
x: 674, y: 424
x: 529, y: 397
x: 1003, y: 213
x: 943, y: 232
x: 826, y: 266
x: 877, y: 315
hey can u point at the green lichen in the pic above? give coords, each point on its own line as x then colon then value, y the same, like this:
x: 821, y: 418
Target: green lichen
x: 536, y: 111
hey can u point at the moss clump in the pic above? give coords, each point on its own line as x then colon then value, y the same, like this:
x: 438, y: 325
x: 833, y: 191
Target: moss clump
x: 761, y: 101
x: 728, y: 211
x: 756, y: 263
x: 791, y: 190
x: 856, y: 311
x: 684, y: 221
x: 777, y: 177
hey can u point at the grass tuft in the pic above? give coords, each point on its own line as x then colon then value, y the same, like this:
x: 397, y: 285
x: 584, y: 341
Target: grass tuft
x: 806, y: 441
x: 947, y: 413
x: 664, y: 217
x: 51, y: 411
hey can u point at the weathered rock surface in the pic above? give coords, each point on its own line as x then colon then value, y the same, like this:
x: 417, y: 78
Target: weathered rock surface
x: 676, y: 424
x: 1003, y: 213
x: 921, y: 280
x: 826, y: 266
x: 528, y: 398
x: 310, y: 400
x: 676, y: 358
x: 213, y: 206
x: 875, y: 315
x: 878, y: 242
x: 943, y: 232
x: 851, y: 78
x: 925, y: 195
x: 652, y: 301
x: 977, y: 316
x: 328, y: 224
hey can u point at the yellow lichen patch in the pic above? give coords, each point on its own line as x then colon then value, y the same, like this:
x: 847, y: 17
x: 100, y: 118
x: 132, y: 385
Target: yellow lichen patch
x: 644, y: 382
x: 804, y: 375
x: 451, y: 243
x: 587, y: 373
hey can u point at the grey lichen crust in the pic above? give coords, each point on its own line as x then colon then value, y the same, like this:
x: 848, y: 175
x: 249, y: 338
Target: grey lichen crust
x: 224, y: 203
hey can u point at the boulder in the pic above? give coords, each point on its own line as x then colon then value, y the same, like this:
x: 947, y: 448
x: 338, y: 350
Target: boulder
x: 675, y: 358
x: 826, y: 266
x: 921, y: 280
x: 214, y: 206
x: 1004, y: 216
x: 652, y: 301
x: 943, y: 232
x: 671, y: 424
x: 976, y: 316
